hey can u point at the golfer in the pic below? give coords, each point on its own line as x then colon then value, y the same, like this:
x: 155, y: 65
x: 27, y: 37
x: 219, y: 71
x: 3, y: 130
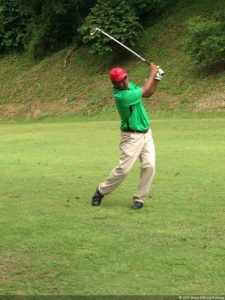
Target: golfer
x: 136, y: 137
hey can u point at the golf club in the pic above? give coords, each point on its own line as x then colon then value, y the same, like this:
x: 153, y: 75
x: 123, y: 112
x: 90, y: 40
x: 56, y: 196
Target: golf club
x: 94, y: 30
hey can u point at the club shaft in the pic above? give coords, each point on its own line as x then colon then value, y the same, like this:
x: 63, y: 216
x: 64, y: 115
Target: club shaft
x: 121, y: 44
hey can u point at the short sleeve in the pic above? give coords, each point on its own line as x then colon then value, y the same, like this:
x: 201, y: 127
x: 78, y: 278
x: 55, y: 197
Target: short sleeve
x: 129, y: 97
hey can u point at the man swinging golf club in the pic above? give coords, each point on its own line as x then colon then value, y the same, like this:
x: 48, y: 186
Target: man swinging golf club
x: 136, y: 137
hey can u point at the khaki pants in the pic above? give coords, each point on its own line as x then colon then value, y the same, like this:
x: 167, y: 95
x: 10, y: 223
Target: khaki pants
x: 133, y: 146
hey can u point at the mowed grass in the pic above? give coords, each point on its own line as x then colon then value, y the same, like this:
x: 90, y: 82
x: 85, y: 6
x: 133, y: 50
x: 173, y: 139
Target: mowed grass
x: 54, y: 242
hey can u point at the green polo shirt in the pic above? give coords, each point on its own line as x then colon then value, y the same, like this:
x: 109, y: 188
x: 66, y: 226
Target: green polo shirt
x: 131, y: 108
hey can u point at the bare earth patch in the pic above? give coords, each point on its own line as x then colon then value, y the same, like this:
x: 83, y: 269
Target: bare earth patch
x: 214, y: 102
x: 7, y: 267
x: 64, y: 107
x: 37, y: 109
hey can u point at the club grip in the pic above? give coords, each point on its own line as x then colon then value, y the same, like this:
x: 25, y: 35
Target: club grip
x: 160, y: 71
x: 148, y: 63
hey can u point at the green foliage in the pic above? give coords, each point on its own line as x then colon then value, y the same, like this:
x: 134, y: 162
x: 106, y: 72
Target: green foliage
x: 40, y: 26
x: 206, y: 42
x: 116, y: 18
x: 13, y: 22
x: 144, y: 7
x: 54, y: 26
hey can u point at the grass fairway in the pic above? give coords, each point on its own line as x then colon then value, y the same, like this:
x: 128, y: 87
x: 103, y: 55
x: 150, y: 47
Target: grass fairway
x: 54, y: 242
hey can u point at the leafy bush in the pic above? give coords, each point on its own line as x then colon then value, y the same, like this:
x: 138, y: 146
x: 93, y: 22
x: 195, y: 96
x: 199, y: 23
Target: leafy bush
x: 13, y: 22
x: 53, y: 26
x: 206, y: 43
x: 144, y: 7
x: 117, y: 19
x: 40, y: 26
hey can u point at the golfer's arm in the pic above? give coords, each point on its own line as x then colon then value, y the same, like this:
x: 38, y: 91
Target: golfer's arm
x: 150, y: 86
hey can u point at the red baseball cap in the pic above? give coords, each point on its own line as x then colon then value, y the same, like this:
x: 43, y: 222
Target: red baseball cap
x: 117, y: 74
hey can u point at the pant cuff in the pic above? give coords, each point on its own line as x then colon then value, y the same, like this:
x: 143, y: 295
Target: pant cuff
x: 138, y: 200
x: 100, y: 191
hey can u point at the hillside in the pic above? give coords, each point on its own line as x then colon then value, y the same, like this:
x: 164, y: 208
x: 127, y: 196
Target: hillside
x: 81, y: 87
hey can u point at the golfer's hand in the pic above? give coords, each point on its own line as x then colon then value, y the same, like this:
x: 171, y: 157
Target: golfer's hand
x: 154, y: 69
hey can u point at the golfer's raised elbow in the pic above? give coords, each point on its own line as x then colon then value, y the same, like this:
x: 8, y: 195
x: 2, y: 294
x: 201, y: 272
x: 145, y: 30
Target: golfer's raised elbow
x: 146, y: 93
x: 149, y: 89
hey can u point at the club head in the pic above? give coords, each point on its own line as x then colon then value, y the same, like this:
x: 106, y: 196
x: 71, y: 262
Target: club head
x: 94, y: 30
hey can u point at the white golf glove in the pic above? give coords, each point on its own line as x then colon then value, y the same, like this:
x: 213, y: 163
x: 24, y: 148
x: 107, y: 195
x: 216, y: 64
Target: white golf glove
x: 159, y: 74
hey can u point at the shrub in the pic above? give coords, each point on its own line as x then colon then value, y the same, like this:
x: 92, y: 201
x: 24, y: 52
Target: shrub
x: 53, y: 26
x: 116, y: 18
x: 40, y: 26
x: 13, y: 22
x: 144, y: 7
x: 206, y: 42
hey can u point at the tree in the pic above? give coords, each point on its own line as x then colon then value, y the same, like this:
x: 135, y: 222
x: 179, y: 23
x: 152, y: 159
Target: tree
x: 206, y: 42
x: 13, y: 24
x: 40, y: 26
x: 55, y: 24
x: 116, y: 18
x: 145, y: 7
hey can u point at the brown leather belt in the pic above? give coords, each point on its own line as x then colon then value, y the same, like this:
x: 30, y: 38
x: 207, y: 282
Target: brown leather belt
x: 134, y: 131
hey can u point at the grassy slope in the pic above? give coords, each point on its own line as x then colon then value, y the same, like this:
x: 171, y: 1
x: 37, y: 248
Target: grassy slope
x: 49, y: 89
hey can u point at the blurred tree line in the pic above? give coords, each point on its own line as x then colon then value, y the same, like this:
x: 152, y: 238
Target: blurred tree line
x: 40, y: 27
